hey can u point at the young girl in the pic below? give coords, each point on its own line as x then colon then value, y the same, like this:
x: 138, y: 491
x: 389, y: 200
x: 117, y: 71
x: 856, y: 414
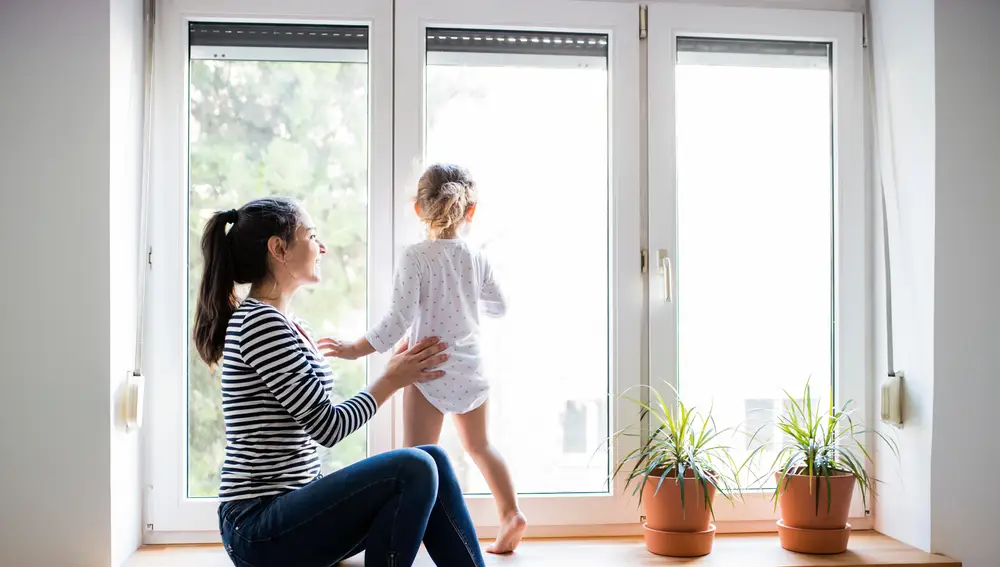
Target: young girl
x: 441, y: 285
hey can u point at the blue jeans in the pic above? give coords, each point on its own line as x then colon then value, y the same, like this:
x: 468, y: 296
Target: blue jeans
x: 385, y: 506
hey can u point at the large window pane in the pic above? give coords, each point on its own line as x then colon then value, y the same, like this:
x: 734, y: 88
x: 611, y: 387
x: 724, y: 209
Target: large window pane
x: 298, y: 129
x: 754, y: 198
x: 533, y: 129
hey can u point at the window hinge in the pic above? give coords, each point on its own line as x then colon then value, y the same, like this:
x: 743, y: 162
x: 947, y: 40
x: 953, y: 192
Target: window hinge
x: 149, y: 257
x: 642, y: 22
x: 148, y: 505
x: 643, y: 260
x: 864, y: 31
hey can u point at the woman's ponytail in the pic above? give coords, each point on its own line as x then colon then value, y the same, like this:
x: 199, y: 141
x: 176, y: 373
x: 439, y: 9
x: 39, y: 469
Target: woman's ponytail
x: 234, y: 257
x: 217, y: 298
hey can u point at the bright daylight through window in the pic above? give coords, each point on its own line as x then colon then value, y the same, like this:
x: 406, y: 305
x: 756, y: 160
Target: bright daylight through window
x: 755, y: 229
x: 280, y: 110
x: 527, y: 113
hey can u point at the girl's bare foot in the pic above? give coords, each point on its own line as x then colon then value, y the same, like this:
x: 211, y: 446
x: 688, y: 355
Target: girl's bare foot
x: 509, y: 537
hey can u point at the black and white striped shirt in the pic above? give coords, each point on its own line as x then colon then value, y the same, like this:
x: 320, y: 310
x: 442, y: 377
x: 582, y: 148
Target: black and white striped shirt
x: 276, y: 403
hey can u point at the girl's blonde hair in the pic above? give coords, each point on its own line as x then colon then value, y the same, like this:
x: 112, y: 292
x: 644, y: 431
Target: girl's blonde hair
x: 445, y: 193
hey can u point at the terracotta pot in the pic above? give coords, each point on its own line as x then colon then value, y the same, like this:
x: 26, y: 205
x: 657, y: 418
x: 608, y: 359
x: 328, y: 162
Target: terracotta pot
x: 797, y: 501
x: 817, y: 542
x: 663, y: 507
x: 678, y: 544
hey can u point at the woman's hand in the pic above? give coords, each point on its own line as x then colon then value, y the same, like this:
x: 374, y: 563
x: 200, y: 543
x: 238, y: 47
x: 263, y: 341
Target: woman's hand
x: 416, y: 363
x: 409, y: 365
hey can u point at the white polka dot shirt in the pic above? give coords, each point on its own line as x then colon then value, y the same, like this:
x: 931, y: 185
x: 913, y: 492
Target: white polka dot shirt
x: 441, y: 286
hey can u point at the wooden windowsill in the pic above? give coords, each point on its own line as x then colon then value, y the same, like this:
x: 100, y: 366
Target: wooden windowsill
x: 745, y: 550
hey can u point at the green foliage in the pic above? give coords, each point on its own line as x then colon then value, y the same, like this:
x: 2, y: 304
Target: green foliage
x: 683, y: 443
x: 292, y: 129
x: 821, y: 442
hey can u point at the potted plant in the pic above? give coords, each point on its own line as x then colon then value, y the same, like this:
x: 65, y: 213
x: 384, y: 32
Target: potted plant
x: 815, y: 472
x: 677, y: 471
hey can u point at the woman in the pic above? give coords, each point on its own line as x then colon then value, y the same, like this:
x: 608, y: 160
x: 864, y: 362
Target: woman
x: 276, y: 508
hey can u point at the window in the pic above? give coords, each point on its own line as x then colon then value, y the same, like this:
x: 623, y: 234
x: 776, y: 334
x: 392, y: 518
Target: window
x: 279, y: 109
x: 754, y: 222
x: 527, y: 112
x: 755, y: 191
x: 584, y: 426
x: 758, y: 424
x: 539, y: 101
x: 246, y: 105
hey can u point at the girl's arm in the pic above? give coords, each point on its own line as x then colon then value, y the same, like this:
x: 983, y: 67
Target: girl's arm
x: 342, y: 349
x: 405, y: 301
x: 491, y: 297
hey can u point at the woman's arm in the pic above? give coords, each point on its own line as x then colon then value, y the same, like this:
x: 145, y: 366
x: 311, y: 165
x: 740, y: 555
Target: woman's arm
x: 269, y: 345
x: 409, y: 365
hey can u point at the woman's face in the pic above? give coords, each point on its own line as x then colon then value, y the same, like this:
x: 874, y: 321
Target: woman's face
x: 304, y: 255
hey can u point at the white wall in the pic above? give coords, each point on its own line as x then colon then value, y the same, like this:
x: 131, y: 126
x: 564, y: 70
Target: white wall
x: 54, y: 439
x: 66, y: 308
x: 902, y: 37
x: 126, y: 104
x: 965, y: 503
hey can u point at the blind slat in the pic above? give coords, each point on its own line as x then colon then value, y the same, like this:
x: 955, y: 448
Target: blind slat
x: 520, y: 42
x: 277, y: 35
x: 752, y: 46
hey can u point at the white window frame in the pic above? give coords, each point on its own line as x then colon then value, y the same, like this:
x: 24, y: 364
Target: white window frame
x: 396, y: 135
x: 170, y: 516
x: 851, y: 227
x: 563, y: 514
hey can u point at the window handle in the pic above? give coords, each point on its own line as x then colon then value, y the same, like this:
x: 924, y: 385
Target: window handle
x: 666, y: 270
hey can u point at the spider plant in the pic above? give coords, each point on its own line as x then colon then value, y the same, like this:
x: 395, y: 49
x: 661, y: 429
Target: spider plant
x: 682, y: 441
x: 822, y: 441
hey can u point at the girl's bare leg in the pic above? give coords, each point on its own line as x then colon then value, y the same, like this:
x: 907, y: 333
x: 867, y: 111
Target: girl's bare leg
x: 472, y: 428
x: 421, y: 420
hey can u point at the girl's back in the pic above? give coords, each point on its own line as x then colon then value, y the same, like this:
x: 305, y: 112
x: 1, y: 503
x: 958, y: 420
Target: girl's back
x: 455, y: 283
x: 441, y: 286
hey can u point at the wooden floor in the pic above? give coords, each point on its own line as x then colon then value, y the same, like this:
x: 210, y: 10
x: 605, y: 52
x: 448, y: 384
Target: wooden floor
x: 754, y: 550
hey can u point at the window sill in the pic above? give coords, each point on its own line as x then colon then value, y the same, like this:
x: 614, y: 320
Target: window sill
x: 746, y: 550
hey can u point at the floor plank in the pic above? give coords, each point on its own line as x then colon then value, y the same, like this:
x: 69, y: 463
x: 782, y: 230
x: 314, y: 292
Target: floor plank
x: 753, y: 550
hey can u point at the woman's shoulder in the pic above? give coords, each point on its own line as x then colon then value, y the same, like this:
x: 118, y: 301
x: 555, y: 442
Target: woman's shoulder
x: 252, y: 314
x: 250, y: 305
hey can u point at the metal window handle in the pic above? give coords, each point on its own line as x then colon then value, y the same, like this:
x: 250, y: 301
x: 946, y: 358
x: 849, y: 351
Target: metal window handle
x: 666, y: 270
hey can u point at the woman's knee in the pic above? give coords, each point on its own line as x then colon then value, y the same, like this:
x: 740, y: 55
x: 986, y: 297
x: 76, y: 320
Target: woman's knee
x: 441, y: 459
x: 435, y: 452
x: 417, y: 467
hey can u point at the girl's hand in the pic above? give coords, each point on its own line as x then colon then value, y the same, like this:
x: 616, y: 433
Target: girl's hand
x: 336, y: 348
x: 416, y: 363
